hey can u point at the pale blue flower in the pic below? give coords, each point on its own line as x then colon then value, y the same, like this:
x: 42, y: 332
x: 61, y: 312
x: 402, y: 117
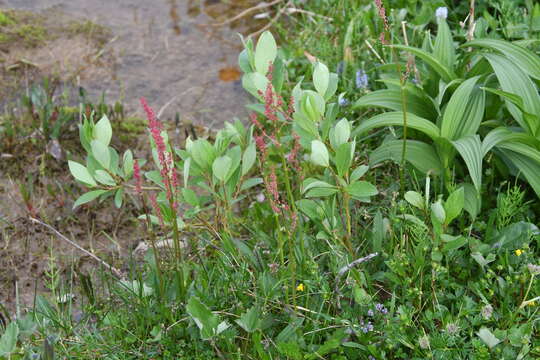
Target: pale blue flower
x: 362, y: 80
x: 343, y: 102
x: 441, y: 12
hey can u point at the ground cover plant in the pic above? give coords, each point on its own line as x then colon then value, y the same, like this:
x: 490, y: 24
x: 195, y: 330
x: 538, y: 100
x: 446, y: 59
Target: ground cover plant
x: 395, y: 222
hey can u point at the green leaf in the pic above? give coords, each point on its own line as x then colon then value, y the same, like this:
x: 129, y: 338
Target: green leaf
x: 488, y: 338
x: 103, y: 131
x: 250, y: 321
x: 81, y: 173
x: 206, y: 321
x: 470, y: 149
x: 340, y: 134
x: 128, y: 164
x: 104, y: 178
x: 8, y: 341
x: 437, y: 210
x: 101, y: 153
x: 395, y: 118
x: 89, y: 196
x: 202, y: 153
x: 421, y: 155
x: 243, y: 61
x: 118, y: 198
x: 318, y: 188
x: 344, y: 157
x: 444, y: 49
x: 464, y: 111
x: 359, y: 172
x: 248, y: 159
x: 455, y: 243
x: 265, y: 52
x: 255, y: 83
x: 221, y: 167
x: 472, y: 203
x: 444, y: 72
x: 415, y: 199
x: 249, y: 183
x: 361, y: 189
x: 527, y: 166
x: 454, y: 205
x: 523, y: 58
x: 514, y: 80
x: 332, y: 86
x: 321, y: 78
x: 391, y: 99
x: 319, y: 153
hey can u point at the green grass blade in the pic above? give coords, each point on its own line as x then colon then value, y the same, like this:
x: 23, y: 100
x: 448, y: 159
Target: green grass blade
x: 421, y: 155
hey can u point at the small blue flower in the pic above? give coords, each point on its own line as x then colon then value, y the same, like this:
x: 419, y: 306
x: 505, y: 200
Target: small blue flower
x: 380, y: 308
x: 343, y: 102
x: 441, y: 12
x: 370, y: 312
x: 362, y: 80
x: 340, y: 67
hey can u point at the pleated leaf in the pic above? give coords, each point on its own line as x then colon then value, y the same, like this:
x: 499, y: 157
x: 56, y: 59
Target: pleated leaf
x: 464, y: 111
x: 444, y: 49
x: 522, y: 57
x: 395, y: 118
x: 528, y: 167
x: 391, y: 99
x: 444, y: 72
x: 470, y: 149
x: 421, y: 155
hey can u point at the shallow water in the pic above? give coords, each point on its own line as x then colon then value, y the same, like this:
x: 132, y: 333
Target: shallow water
x: 165, y: 51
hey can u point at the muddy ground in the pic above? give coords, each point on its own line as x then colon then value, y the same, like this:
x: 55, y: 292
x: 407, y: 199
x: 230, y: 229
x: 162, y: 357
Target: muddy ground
x: 125, y: 49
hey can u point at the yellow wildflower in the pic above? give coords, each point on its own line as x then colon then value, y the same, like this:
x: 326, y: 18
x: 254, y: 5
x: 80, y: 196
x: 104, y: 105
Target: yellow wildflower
x: 300, y: 287
x: 519, y: 252
x: 532, y: 303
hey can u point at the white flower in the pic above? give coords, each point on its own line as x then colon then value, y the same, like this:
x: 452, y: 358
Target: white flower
x: 441, y: 12
x: 260, y: 197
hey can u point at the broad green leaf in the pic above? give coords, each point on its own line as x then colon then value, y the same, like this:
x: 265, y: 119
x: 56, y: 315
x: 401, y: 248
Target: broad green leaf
x: 470, y: 149
x: 464, y: 111
x: 202, y: 153
x: 243, y: 61
x: 523, y: 58
x: 455, y: 244
x: 249, y: 183
x: 473, y: 202
x: 421, y: 155
x: 359, y: 172
x: 318, y: 188
x: 391, y: 99
x: 444, y: 72
x: 514, y: 80
x: 101, y: 153
x: 319, y: 153
x: 206, y: 321
x: 250, y: 321
x: 321, y: 78
x: 444, y: 49
x: 128, y: 164
x: 312, y: 209
x: 8, y: 341
x: 81, y: 173
x: 332, y: 86
x: 265, y: 52
x: 103, y: 131
x: 487, y: 337
x: 118, y: 198
x: 504, y: 135
x: 437, y: 210
x: 221, y: 167
x: 312, y: 105
x: 395, y: 118
x: 343, y: 158
x: 89, y: 196
x: 454, y: 205
x: 104, y: 178
x: 255, y: 84
x: 340, y: 134
x: 248, y: 159
x: 415, y: 199
x: 527, y: 166
x: 361, y: 189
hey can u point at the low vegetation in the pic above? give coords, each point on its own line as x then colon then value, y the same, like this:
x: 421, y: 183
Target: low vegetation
x: 380, y: 203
